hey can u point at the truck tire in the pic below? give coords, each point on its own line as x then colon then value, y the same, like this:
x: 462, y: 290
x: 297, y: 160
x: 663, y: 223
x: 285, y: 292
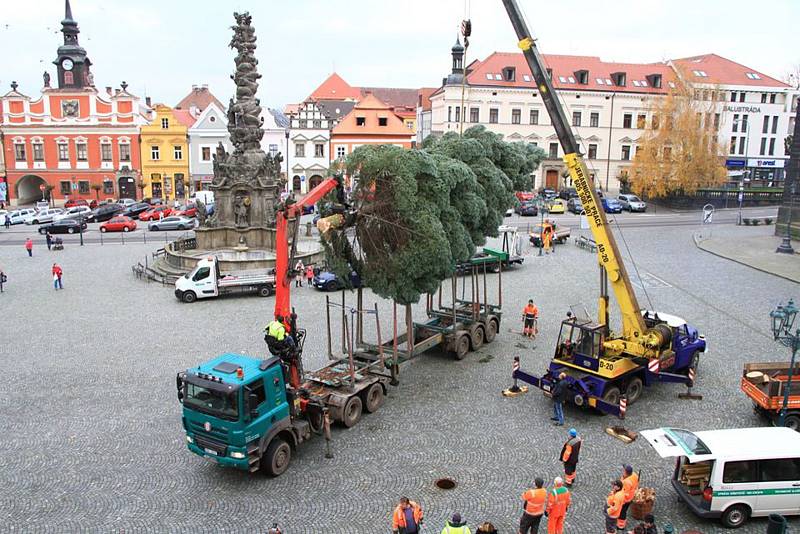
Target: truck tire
x: 461, y: 346
x: 264, y: 291
x: 277, y: 459
x: 792, y: 421
x: 634, y: 390
x: 352, y: 411
x: 189, y: 297
x: 476, y: 337
x: 373, y: 398
x: 491, y: 330
x: 612, y: 395
x: 735, y: 516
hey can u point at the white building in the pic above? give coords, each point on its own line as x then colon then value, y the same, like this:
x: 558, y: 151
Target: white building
x: 276, y: 128
x: 210, y: 129
x: 309, y: 145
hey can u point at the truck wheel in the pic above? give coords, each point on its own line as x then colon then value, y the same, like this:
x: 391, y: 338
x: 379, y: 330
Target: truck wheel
x: 462, y: 347
x: 278, y: 456
x: 476, y: 338
x: 634, y: 390
x: 189, y: 297
x: 373, y: 399
x: 792, y: 421
x: 695, y: 362
x: 735, y: 516
x: 612, y: 395
x: 352, y: 411
x: 491, y: 330
x: 264, y: 291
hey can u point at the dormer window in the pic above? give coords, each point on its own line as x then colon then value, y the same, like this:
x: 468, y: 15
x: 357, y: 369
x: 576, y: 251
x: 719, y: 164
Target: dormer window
x: 509, y: 74
x: 383, y: 121
x: 654, y: 80
x: 582, y: 76
x: 361, y: 121
x: 619, y: 78
x: 550, y: 73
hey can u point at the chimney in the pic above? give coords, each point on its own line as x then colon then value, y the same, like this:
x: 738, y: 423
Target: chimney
x: 147, y: 102
x: 108, y: 90
x: 204, y: 86
x: 116, y: 91
x: 194, y: 87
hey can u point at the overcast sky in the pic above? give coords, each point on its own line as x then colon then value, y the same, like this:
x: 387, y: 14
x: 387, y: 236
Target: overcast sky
x: 162, y: 47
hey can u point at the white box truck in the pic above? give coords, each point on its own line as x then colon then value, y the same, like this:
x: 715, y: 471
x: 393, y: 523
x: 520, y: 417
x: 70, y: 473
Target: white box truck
x: 206, y: 281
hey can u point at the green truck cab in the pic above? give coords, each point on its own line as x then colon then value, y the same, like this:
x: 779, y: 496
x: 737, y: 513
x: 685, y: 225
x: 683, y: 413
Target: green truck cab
x: 238, y: 413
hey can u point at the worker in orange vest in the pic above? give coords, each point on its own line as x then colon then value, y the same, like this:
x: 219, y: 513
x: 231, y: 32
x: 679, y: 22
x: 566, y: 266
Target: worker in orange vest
x: 570, y: 454
x: 615, y: 500
x: 547, y: 237
x: 630, y: 483
x: 530, y: 314
x: 534, y: 502
x: 407, y: 517
x: 558, y: 501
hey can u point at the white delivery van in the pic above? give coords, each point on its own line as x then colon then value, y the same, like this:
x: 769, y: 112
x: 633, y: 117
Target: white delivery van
x: 733, y: 474
x: 207, y: 197
x: 206, y: 281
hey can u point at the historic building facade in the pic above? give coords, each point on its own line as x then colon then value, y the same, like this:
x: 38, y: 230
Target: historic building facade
x: 208, y: 131
x: 165, y: 153
x: 309, y: 147
x: 73, y: 141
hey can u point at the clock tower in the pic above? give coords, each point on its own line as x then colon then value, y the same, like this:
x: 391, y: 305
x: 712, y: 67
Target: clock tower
x: 72, y: 64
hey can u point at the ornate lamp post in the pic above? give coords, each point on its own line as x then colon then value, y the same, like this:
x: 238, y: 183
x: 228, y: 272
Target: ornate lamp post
x: 782, y: 323
x: 542, y: 204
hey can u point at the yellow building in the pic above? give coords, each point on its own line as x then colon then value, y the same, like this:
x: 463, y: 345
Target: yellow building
x: 165, y: 153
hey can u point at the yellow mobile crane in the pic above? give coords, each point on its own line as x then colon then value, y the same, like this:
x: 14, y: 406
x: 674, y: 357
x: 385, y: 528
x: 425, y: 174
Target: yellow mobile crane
x: 602, y: 367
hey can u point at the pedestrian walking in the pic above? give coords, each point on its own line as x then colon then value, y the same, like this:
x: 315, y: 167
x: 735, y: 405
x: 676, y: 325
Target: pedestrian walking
x: 299, y: 270
x: 570, y: 453
x: 530, y: 313
x: 7, y: 222
x: 456, y: 526
x: 630, y: 483
x: 309, y: 274
x: 3, y: 279
x: 57, y: 273
x: 534, y: 502
x: 29, y: 247
x: 558, y: 501
x: 49, y: 239
x: 559, y: 394
x: 614, y: 503
x: 407, y: 517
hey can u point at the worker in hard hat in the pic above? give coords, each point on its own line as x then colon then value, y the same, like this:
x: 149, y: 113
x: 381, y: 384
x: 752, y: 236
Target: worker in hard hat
x: 570, y: 453
x: 530, y: 314
x: 558, y: 501
x: 630, y: 483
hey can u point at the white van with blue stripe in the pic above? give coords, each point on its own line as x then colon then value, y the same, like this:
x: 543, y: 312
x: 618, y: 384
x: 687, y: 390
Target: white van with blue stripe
x: 733, y: 474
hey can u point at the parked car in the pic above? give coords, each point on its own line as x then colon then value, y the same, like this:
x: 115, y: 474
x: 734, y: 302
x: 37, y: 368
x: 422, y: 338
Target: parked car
x: 547, y: 193
x: 107, y: 211
x: 632, y: 203
x: 509, y: 213
x: 189, y: 210
x: 155, y: 213
x: 134, y: 210
x: 568, y: 193
x: 44, y: 216
x: 64, y: 226
x: 575, y: 206
x: 328, y: 281
x: 71, y: 203
x: 42, y: 205
x: 172, y: 223
x: 611, y: 205
x: 19, y: 216
x: 524, y: 196
x: 153, y: 201
x: 526, y: 209
x: 127, y: 202
x: 76, y: 212
x: 120, y: 223
x: 557, y: 205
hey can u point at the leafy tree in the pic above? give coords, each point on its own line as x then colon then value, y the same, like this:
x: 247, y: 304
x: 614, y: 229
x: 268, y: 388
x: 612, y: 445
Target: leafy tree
x: 679, y: 151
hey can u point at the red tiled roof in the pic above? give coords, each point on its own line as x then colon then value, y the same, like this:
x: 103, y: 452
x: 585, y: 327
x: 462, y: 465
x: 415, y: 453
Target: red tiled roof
x: 291, y: 109
x: 200, y: 97
x: 565, y: 67
x: 372, y: 109
x: 424, y: 97
x: 335, y: 88
x: 720, y: 70
x: 184, y: 117
x: 396, y: 97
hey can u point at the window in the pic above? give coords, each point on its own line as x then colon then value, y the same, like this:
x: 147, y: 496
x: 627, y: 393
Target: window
x: 19, y: 152
x: 534, y: 119
x: 83, y: 187
x: 772, y: 147
x: 594, y: 119
x: 654, y: 121
x: 741, y: 144
x: 458, y: 113
x: 205, y: 153
x: 63, y: 152
x: 81, y: 151
x: 303, y: 123
x: 273, y: 150
x: 165, y: 123
x: 780, y: 470
x: 105, y: 151
x: 667, y: 153
x: 736, y: 123
x: 765, y: 126
x: 700, y: 73
x: 341, y: 152
x: 38, y: 151
x: 641, y: 120
x: 177, y: 152
x: 317, y: 123
x: 509, y: 74
x: 740, y: 472
x: 592, y: 151
x: 474, y: 115
x: 383, y: 121
x: 733, y: 96
x: 362, y: 121
x: 744, y: 123
x: 125, y: 152
x: 583, y: 77
x: 741, y: 97
x: 733, y: 145
x: 626, y: 152
x: 65, y: 187
x: 775, y: 124
x: 716, y: 121
x: 553, y: 151
x: 108, y: 187
x: 449, y: 113
x: 155, y: 152
x: 516, y: 116
x: 763, y: 149
x: 627, y: 119
x: 576, y: 118
x: 493, y: 115
x: 752, y: 75
x: 68, y: 79
x: 763, y: 98
x: 772, y: 98
x: 319, y: 150
x: 257, y: 389
x: 299, y: 150
x: 201, y: 274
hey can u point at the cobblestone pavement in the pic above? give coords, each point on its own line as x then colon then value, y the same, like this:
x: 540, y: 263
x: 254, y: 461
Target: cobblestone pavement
x: 92, y: 438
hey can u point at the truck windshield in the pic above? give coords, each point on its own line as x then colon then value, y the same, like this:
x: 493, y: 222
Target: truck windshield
x: 217, y: 403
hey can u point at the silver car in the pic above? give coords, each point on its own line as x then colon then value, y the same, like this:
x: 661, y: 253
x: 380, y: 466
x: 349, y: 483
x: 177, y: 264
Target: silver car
x: 44, y: 216
x: 76, y: 212
x: 632, y: 203
x: 173, y: 223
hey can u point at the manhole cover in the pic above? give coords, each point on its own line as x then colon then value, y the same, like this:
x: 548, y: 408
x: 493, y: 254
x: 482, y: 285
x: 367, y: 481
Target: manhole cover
x: 446, y: 483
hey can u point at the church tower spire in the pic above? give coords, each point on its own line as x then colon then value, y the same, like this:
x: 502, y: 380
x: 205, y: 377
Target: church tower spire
x: 72, y: 64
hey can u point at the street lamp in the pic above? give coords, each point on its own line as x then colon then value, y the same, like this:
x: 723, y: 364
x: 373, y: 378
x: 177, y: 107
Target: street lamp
x: 286, y: 133
x: 782, y: 323
x: 745, y: 173
x: 541, y: 225
x: 786, y: 245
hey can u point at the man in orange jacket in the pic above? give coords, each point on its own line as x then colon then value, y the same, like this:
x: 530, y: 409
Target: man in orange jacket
x: 615, y: 500
x: 570, y: 453
x: 630, y: 483
x: 407, y: 517
x: 529, y: 316
x: 534, y: 502
x: 558, y: 501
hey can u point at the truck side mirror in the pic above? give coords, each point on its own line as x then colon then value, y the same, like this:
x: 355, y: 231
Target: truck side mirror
x: 252, y: 402
x: 179, y: 385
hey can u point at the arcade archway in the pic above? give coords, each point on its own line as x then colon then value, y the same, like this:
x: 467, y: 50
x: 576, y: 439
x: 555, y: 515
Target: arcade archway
x: 28, y: 189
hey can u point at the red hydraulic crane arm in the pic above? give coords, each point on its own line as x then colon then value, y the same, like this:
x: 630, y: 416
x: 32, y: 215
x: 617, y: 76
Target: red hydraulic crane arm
x: 283, y: 305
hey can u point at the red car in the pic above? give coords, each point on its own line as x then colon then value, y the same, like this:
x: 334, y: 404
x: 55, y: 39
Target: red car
x: 75, y: 202
x: 118, y: 224
x: 524, y: 196
x: 189, y: 210
x: 156, y: 213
